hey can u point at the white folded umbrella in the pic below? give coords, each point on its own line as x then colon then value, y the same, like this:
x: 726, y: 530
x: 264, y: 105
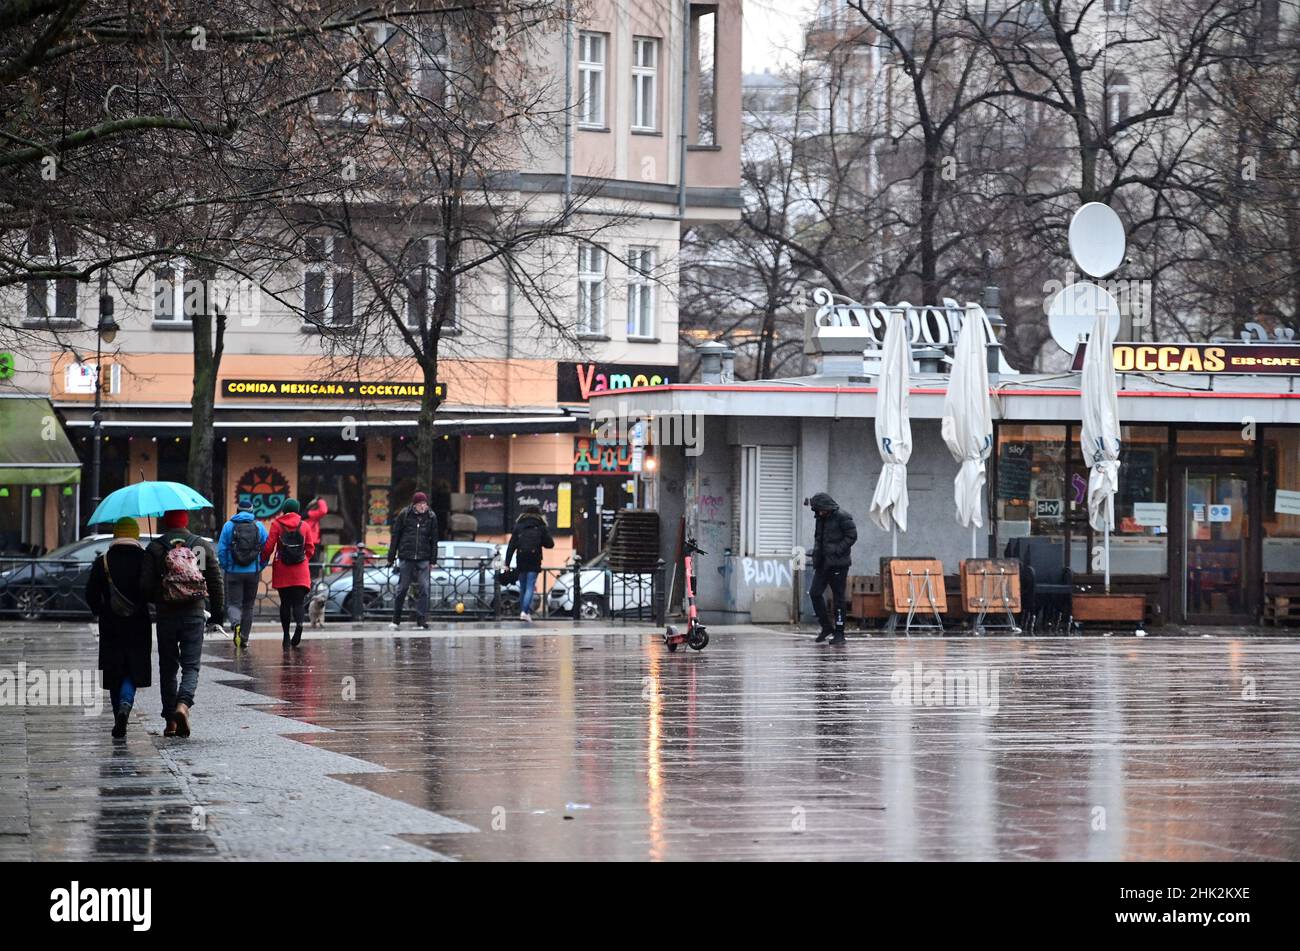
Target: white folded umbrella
x: 893, y: 428
x: 1099, y: 437
x: 967, y: 425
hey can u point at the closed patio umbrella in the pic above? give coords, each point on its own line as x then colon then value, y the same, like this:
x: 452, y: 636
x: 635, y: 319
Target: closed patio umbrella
x: 967, y: 425
x: 893, y: 429
x: 1099, y: 437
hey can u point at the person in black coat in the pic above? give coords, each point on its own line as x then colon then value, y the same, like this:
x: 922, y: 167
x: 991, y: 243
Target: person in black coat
x: 528, y: 539
x: 125, y: 639
x: 832, y: 542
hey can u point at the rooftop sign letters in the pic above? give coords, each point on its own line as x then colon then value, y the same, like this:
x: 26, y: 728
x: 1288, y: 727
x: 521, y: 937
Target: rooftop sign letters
x: 327, y: 390
x: 1201, y: 358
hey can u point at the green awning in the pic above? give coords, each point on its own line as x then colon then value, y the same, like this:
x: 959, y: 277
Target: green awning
x: 34, y: 449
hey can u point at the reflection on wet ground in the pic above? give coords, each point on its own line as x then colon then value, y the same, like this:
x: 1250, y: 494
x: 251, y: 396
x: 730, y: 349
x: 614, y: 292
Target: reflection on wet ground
x: 601, y: 745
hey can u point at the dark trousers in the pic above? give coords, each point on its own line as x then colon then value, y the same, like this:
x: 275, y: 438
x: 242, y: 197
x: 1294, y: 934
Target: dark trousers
x: 836, y: 579
x: 409, y: 572
x: 291, y: 607
x: 241, y: 595
x: 180, y: 645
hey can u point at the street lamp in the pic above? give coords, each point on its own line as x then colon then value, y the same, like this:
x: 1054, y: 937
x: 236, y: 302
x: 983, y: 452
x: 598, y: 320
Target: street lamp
x: 106, y: 333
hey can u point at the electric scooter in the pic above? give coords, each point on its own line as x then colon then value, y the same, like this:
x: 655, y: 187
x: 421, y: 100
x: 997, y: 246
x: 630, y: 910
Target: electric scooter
x: 695, y: 636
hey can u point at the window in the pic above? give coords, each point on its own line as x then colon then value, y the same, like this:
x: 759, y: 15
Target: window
x: 1281, y: 509
x: 169, y: 301
x: 645, y: 64
x: 327, y: 282
x: 430, y: 256
x: 1117, y: 99
x: 51, y: 299
x: 640, y: 292
x: 430, y: 65
x: 591, y: 289
x: 704, y: 23
x: 1030, y: 497
x: 591, y: 79
x: 768, y: 493
x: 382, y: 58
x: 1117, y: 6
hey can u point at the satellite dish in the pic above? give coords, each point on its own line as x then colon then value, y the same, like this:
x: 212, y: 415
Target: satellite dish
x: 1097, y: 239
x: 1074, y: 310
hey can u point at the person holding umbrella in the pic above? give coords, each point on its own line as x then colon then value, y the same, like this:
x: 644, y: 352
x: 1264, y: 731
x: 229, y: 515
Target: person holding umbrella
x: 125, y: 633
x: 179, y: 570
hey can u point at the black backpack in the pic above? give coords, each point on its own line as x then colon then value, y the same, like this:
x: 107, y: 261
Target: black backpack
x: 246, y: 543
x: 292, y: 547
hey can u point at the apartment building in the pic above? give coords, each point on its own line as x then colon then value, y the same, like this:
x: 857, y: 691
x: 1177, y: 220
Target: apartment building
x: 653, y: 138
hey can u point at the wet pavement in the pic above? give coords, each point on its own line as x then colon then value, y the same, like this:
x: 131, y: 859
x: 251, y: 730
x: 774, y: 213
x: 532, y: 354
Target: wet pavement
x: 595, y: 743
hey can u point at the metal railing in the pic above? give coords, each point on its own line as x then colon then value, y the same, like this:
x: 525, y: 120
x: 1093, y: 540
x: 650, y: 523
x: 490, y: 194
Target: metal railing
x: 459, y: 589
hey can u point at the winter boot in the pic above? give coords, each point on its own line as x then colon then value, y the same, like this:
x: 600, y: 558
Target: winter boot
x: 120, y: 719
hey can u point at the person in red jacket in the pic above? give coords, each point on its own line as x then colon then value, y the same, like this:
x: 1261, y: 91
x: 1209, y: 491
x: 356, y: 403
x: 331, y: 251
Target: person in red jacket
x: 287, y: 550
x: 317, y: 509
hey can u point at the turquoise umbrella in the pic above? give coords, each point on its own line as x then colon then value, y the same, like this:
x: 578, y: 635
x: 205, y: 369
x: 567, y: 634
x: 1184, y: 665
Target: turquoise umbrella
x: 147, y: 499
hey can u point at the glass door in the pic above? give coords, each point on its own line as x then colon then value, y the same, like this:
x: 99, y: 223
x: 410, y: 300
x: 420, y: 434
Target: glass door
x: 1216, y: 544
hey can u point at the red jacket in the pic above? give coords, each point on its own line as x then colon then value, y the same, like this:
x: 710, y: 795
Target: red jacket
x: 311, y: 527
x: 283, y: 575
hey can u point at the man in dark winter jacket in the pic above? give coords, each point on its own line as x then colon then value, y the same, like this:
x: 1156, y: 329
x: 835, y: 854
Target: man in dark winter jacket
x: 415, y: 543
x: 526, y: 543
x: 179, y: 569
x: 832, y: 542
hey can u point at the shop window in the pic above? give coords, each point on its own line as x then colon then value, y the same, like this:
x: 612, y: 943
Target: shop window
x: 1031, y: 491
x: 1281, y: 508
x: 1139, y: 544
x: 333, y: 468
x: 1236, y: 442
x: 173, y: 459
x: 768, y: 500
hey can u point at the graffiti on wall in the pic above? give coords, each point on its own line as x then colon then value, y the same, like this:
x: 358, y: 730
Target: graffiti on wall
x: 766, y: 572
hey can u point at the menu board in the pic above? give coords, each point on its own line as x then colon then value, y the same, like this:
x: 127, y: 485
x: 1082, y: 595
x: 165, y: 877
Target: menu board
x: 539, y: 490
x: 489, y: 505
x: 1014, y: 470
x: 1137, y: 475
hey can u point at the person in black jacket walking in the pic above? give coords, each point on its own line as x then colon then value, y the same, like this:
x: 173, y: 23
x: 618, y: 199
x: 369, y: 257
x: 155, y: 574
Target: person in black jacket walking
x: 125, y: 631
x: 526, y: 543
x: 832, y: 542
x: 415, y: 544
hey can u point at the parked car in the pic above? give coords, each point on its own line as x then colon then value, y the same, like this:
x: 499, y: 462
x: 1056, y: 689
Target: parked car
x: 53, y: 585
x: 341, y: 557
x: 604, y: 593
x: 465, y: 574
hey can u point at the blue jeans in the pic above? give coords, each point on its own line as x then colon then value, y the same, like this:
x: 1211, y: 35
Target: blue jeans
x: 123, y: 693
x: 526, y: 581
x: 180, y: 645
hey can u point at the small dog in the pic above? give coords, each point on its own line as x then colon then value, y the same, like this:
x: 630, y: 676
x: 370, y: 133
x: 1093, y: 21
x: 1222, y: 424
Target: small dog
x: 316, y: 607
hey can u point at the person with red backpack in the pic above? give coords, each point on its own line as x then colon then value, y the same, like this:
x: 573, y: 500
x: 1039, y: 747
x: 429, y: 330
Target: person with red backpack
x: 239, y: 550
x: 179, y: 571
x: 288, y: 549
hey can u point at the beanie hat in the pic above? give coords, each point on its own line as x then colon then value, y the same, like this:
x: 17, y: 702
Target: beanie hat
x: 126, y: 528
x: 419, y: 497
x: 245, y: 505
x: 290, y: 505
x: 176, y: 518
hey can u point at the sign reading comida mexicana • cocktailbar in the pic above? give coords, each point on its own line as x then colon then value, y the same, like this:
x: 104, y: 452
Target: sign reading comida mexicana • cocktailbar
x: 327, y: 390
x: 1201, y: 358
x: 575, y: 382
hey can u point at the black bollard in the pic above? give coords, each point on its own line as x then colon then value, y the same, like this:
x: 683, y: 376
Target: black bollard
x: 577, y: 586
x: 359, y: 584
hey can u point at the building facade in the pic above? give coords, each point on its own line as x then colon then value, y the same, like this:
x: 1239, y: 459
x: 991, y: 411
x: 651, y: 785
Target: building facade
x: 654, y: 136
